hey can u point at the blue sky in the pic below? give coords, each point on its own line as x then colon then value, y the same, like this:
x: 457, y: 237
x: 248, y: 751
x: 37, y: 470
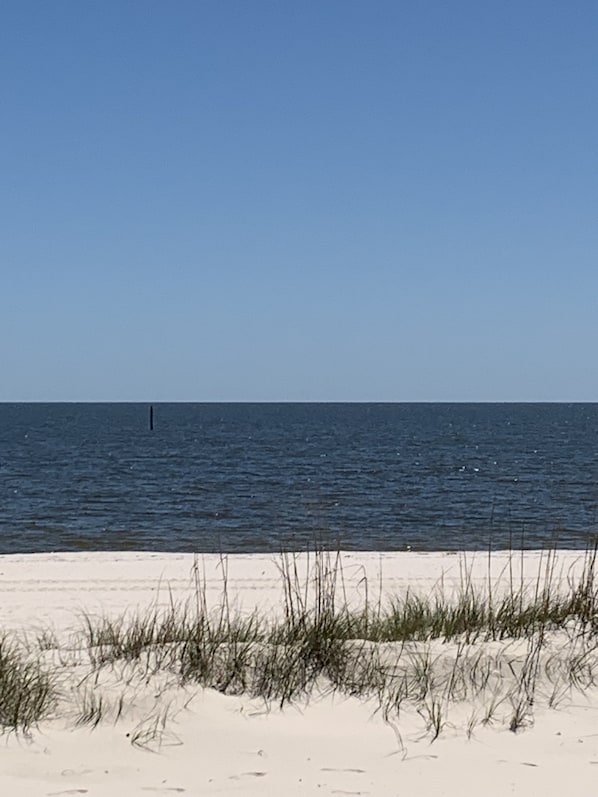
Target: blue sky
x: 260, y: 201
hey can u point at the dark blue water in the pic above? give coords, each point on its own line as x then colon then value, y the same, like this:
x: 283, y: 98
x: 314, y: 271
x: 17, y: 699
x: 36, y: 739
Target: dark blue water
x: 258, y: 477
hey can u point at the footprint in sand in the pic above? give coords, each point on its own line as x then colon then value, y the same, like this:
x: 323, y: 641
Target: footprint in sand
x: 66, y: 791
x: 341, y: 791
x: 68, y: 773
x: 248, y: 775
x: 346, y: 769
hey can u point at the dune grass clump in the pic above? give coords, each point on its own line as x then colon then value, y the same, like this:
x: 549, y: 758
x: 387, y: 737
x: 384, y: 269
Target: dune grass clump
x: 26, y: 692
x: 129, y: 637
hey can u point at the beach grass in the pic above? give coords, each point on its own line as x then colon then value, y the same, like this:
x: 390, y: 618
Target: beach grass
x: 27, y: 691
x: 496, y: 654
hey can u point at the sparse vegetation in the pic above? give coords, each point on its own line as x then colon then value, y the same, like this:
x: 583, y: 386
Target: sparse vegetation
x: 27, y: 692
x: 499, y: 655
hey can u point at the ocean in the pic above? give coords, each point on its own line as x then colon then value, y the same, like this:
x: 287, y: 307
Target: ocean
x: 262, y: 477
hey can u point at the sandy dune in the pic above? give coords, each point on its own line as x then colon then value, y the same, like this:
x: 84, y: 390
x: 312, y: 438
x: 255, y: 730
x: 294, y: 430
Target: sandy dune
x: 200, y: 742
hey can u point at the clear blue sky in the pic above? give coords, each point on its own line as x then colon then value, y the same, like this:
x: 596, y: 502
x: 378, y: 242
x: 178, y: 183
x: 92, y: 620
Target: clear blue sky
x: 332, y: 200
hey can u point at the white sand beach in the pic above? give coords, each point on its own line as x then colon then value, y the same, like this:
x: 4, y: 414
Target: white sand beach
x: 156, y: 735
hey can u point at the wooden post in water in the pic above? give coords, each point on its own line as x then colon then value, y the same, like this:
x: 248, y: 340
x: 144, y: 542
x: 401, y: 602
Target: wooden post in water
x: 151, y: 417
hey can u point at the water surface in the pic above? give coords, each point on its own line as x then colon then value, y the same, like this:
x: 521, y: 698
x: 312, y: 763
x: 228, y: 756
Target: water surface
x: 255, y: 477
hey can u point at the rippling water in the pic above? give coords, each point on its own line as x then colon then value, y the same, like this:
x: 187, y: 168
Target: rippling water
x: 255, y: 477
